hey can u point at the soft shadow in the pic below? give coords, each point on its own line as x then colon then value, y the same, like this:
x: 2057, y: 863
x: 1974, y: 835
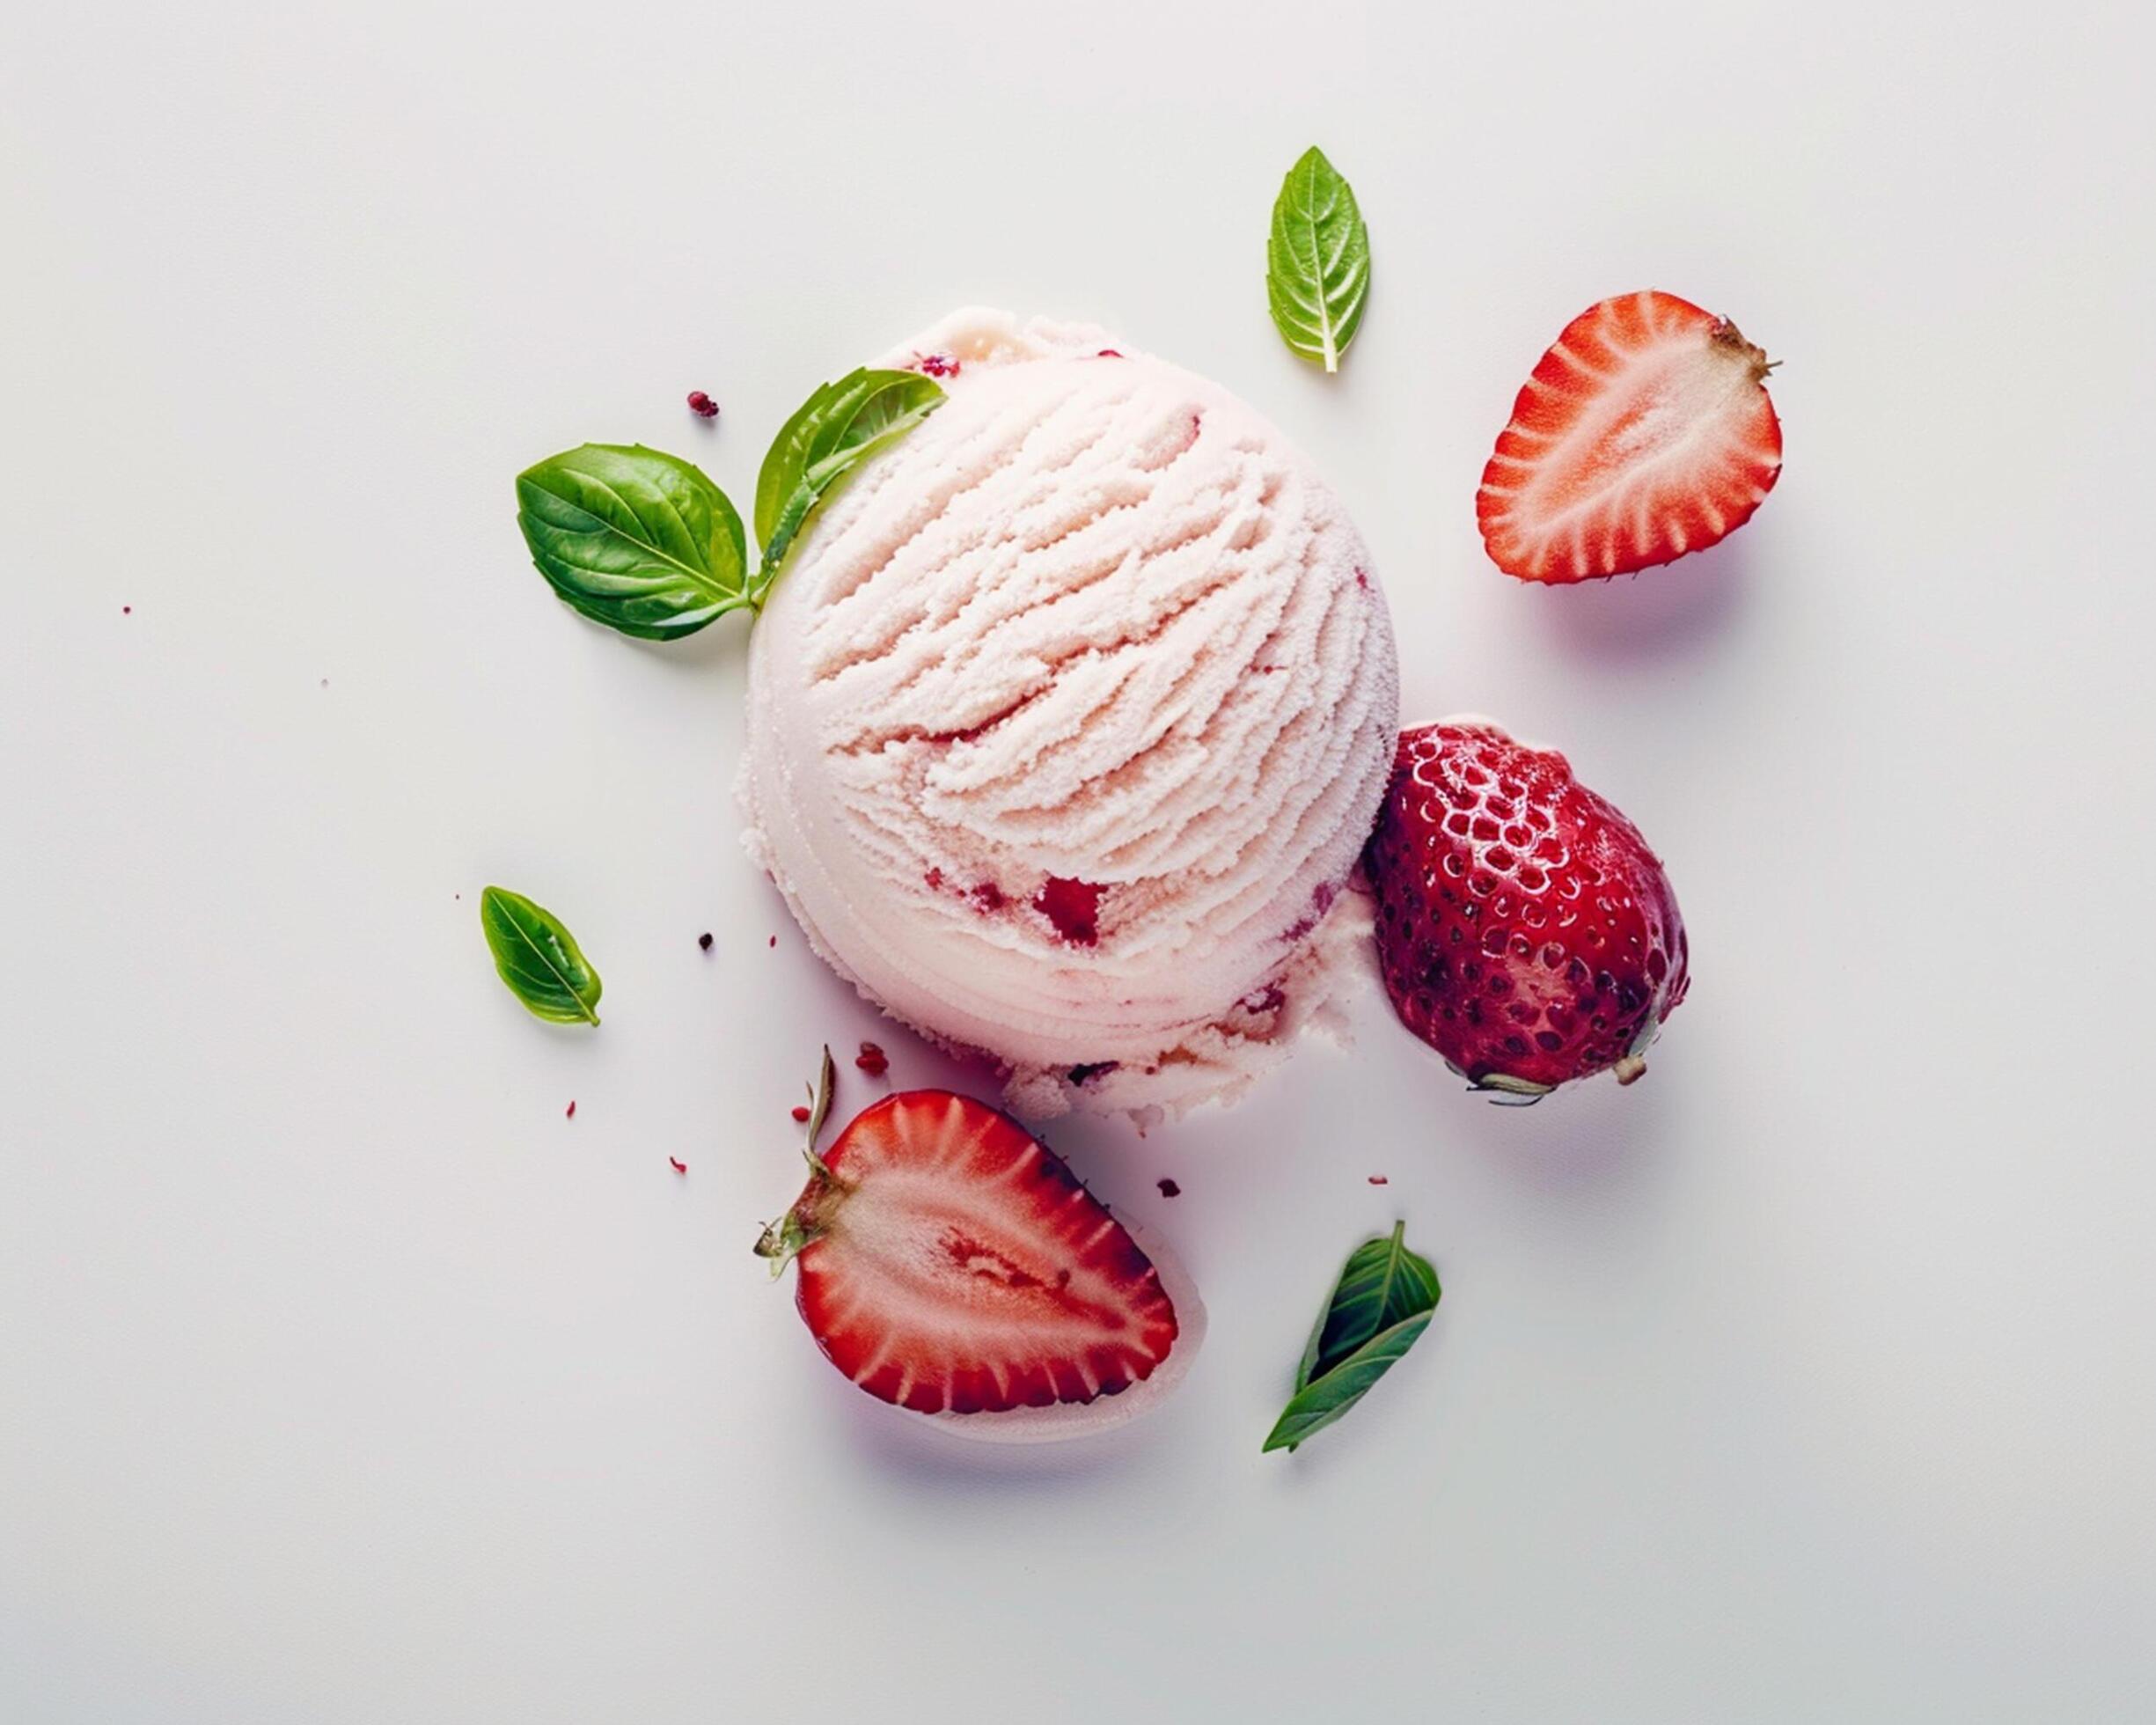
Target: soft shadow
x: 1597, y: 1138
x: 1654, y: 614
x: 719, y: 642
x: 913, y: 1452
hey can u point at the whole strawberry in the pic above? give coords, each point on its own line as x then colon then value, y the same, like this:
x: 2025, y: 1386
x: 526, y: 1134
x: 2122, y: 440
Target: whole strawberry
x: 1526, y: 931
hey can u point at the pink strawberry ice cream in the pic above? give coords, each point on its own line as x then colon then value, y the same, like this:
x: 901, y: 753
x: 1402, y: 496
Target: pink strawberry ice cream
x: 1067, y: 721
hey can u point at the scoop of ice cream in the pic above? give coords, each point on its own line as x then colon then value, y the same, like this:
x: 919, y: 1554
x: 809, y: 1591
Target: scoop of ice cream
x: 1068, y: 719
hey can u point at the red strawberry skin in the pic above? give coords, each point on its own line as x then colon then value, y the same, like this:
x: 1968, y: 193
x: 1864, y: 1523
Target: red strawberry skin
x: 1645, y: 432
x: 957, y: 1266
x: 1525, y: 929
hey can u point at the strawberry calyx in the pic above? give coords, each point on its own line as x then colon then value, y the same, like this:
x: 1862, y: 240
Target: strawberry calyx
x: 808, y: 1219
x: 1509, y: 1092
x: 1725, y: 334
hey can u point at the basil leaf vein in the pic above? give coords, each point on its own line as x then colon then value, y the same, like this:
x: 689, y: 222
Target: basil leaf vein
x: 538, y: 958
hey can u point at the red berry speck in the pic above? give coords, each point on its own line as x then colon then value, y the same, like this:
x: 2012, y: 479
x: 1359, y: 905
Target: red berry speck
x: 127, y: 611
x: 1108, y: 353
x: 872, y: 1059
x: 680, y: 1167
x: 1169, y: 1188
x: 703, y: 406
x: 774, y: 940
x: 1379, y: 1179
x: 1074, y: 906
x: 572, y: 1112
x: 938, y: 366
x: 801, y: 1113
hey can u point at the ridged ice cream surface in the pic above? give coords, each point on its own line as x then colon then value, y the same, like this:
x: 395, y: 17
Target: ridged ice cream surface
x: 1068, y: 719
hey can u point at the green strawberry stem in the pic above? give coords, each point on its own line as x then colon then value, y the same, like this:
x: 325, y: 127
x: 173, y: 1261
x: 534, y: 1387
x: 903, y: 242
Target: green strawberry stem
x: 810, y: 1218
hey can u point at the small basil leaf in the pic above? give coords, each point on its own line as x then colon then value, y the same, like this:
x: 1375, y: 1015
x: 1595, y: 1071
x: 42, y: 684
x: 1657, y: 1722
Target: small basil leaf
x: 1318, y: 263
x: 538, y: 958
x: 836, y: 430
x: 1318, y: 1404
x: 1383, y: 1284
x: 633, y: 539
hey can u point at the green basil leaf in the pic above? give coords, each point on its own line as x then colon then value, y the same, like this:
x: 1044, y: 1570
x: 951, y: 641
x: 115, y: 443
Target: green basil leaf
x: 1318, y: 1404
x: 538, y: 958
x: 1317, y: 263
x: 1383, y: 1284
x: 633, y: 539
x: 836, y: 430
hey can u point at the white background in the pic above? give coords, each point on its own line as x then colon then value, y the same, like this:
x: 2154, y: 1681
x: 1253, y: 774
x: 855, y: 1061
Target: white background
x: 342, y: 1378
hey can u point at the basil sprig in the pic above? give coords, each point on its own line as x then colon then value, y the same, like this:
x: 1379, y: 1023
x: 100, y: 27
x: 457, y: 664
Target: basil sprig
x: 643, y: 542
x: 538, y: 958
x: 1385, y: 1299
x: 1317, y: 261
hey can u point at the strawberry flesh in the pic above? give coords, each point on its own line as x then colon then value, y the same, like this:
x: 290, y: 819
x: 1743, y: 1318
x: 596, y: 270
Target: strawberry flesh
x: 1645, y: 432
x: 1525, y: 929
x: 953, y: 1264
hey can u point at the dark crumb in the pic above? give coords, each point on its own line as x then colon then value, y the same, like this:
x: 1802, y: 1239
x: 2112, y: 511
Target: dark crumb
x: 704, y: 941
x: 127, y: 611
x: 572, y: 1112
x: 1092, y: 1069
x: 801, y: 1113
x: 1169, y: 1188
x: 680, y: 1167
x: 774, y: 940
x: 872, y: 1059
x: 1379, y: 1179
x: 703, y: 406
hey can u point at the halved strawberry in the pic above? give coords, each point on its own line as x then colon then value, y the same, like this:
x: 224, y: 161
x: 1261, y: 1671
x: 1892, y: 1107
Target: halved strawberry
x: 1645, y: 432
x: 950, y: 1264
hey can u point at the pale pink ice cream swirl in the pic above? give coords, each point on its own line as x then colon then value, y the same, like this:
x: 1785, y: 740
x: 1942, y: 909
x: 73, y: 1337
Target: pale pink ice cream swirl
x: 1068, y: 721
